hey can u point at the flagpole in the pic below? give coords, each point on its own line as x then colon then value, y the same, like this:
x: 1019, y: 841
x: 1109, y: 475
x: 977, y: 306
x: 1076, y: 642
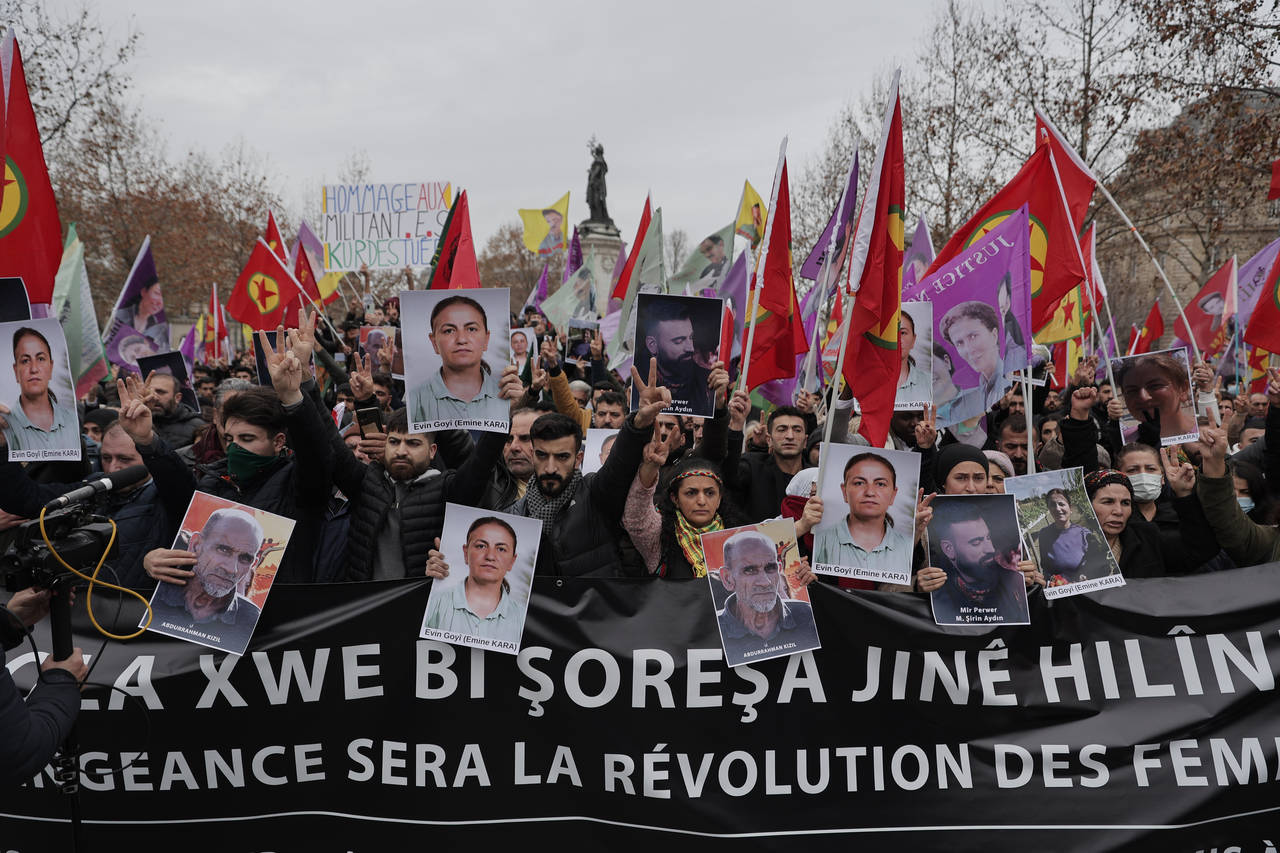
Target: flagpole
x: 1075, y: 241
x: 1026, y: 401
x: 1133, y: 229
x: 761, y: 261
x: 825, y: 271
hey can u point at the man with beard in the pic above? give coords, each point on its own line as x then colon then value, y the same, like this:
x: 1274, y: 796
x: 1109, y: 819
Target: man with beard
x: 977, y: 588
x: 211, y: 599
x: 172, y: 419
x: 668, y: 340
x: 755, y: 618
x: 580, y: 513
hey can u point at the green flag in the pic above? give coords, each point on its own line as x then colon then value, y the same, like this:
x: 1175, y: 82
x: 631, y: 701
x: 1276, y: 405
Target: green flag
x: 708, y: 263
x: 649, y: 276
x: 73, y: 306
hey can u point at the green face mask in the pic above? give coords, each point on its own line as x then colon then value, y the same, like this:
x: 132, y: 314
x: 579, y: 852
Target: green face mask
x: 243, y: 465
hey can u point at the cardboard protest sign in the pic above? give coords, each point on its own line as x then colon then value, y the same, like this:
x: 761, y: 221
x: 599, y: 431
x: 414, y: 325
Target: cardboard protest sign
x: 915, y: 340
x: 682, y: 334
x: 387, y: 226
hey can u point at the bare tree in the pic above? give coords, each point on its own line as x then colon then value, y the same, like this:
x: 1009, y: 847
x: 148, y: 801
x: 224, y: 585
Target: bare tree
x: 72, y: 67
x: 677, y: 248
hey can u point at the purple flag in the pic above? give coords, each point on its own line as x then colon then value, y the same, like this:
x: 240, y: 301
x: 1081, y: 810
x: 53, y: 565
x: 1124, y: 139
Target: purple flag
x: 188, y: 347
x: 734, y: 290
x: 1249, y: 281
x: 917, y: 258
x: 539, y: 291
x: 140, y: 305
x: 574, y: 260
x: 982, y: 344
x: 842, y: 218
x: 781, y: 392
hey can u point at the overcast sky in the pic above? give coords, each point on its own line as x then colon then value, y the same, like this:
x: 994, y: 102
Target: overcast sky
x: 688, y: 98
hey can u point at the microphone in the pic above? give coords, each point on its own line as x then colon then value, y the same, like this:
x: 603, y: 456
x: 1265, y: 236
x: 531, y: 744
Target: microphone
x: 121, y: 479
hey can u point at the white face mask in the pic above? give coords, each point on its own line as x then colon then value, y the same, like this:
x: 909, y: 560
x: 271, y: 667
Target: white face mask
x: 1146, y: 487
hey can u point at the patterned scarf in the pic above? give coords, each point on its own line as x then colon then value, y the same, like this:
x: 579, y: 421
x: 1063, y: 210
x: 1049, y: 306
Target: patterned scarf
x: 690, y: 540
x: 538, y: 505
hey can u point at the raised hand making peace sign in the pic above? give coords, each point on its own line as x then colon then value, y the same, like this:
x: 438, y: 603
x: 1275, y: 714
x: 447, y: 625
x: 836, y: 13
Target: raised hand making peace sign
x: 653, y: 397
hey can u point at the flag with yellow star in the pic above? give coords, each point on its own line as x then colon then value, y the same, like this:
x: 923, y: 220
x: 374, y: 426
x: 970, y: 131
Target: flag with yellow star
x: 30, y: 233
x: 263, y: 290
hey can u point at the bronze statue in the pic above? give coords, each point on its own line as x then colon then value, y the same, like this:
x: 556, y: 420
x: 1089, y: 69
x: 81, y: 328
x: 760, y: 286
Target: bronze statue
x: 596, y: 188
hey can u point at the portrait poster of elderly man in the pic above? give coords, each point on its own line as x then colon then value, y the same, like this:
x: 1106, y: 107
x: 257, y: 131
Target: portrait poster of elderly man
x: 682, y: 334
x: 456, y: 344
x: 868, y: 503
x: 218, y: 573
x: 974, y: 540
x: 37, y: 395
x: 482, y: 576
x: 758, y: 619
x: 1062, y: 532
x: 981, y: 319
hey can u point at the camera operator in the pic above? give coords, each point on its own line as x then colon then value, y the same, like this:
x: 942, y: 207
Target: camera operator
x: 143, y: 521
x: 31, y: 731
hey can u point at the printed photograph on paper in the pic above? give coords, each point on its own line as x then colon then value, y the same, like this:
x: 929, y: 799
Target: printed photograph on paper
x: 682, y: 334
x: 975, y: 539
x: 596, y: 448
x: 172, y: 364
x: 915, y: 346
x: 868, y: 513
x: 524, y: 346
x: 456, y: 345
x: 483, y: 601
x: 1062, y: 532
x: 379, y: 343
x: 237, y: 551
x: 1156, y: 389
x: 37, y: 388
x: 748, y: 569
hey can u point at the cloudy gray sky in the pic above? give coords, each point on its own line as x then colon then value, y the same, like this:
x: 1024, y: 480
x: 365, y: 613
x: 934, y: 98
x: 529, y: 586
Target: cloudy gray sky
x: 689, y: 98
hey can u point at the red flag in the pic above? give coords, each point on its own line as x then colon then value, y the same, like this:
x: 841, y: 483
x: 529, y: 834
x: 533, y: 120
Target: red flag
x: 779, y: 334
x: 274, y: 240
x: 1274, y: 192
x: 263, y: 291
x: 1257, y: 377
x: 457, y: 268
x: 624, y: 278
x: 1077, y: 178
x: 1150, y: 332
x: 1133, y: 339
x: 872, y: 361
x: 307, y: 279
x: 1264, y: 325
x: 1055, y: 254
x: 1210, y: 310
x: 30, y: 232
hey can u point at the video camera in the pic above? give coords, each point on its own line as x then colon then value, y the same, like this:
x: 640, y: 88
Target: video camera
x: 76, y: 534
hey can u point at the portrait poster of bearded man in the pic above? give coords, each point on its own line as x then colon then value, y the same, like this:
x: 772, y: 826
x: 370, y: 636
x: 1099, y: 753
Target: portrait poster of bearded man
x: 681, y: 333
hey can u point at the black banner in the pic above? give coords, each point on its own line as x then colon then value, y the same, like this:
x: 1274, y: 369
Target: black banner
x: 1143, y: 717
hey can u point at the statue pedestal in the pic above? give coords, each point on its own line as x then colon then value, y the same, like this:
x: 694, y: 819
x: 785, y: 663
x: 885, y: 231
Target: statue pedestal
x: 602, y: 241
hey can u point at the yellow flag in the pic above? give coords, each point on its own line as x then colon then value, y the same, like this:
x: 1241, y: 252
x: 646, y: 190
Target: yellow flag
x: 544, y: 227
x: 752, y: 215
x: 1067, y: 319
